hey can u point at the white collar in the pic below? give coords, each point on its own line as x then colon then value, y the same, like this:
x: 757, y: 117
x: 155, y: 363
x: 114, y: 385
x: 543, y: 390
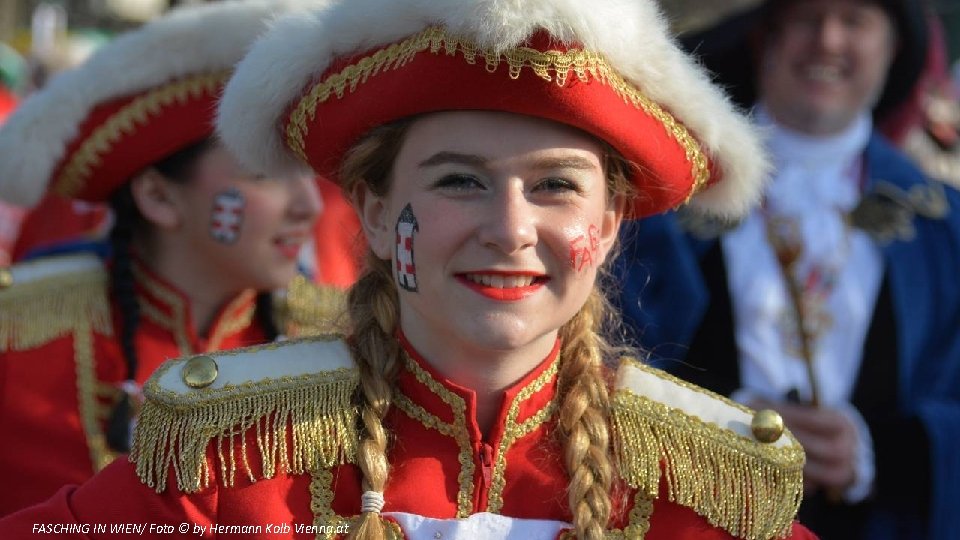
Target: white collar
x: 792, y: 147
x: 814, y: 174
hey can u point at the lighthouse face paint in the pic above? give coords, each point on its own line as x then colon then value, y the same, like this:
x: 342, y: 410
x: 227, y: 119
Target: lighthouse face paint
x: 500, y: 202
x: 226, y: 216
x: 405, y: 267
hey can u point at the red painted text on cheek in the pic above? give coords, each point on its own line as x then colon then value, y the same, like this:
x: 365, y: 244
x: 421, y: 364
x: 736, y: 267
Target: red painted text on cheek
x: 585, y: 249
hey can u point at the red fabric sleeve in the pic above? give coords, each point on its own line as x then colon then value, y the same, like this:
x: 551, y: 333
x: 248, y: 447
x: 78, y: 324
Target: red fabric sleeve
x: 115, y: 504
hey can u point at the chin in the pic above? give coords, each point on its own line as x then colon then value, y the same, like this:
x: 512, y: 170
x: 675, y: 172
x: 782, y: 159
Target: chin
x: 502, y: 337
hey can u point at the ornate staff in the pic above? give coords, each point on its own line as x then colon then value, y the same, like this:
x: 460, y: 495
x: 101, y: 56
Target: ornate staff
x: 788, y: 248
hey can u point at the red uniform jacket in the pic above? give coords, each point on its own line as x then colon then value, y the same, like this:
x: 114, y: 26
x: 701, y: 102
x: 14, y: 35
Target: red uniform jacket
x: 61, y: 365
x: 273, y: 459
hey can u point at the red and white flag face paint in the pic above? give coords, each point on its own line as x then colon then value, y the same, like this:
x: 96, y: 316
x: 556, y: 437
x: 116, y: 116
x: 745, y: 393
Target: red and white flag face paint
x: 227, y: 216
x: 406, y: 269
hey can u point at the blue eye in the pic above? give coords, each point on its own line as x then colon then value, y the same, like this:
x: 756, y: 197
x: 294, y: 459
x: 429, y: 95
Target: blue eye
x: 458, y: 182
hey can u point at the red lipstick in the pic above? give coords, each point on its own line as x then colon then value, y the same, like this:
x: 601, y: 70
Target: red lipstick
x: 504, y: 294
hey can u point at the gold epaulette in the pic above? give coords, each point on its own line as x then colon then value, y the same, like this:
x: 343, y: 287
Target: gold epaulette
x: 703, y: 445
x: 307, y: 309
x: 294, y: 397
x: 49, y: 298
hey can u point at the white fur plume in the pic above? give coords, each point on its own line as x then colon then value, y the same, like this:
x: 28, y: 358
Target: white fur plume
x: 631, y: 34
x: 188, y: 41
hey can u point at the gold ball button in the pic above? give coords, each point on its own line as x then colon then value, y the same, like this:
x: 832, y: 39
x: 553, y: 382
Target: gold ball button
x: 6, y: 278
x: 200, y: 372
x: 767, y: 426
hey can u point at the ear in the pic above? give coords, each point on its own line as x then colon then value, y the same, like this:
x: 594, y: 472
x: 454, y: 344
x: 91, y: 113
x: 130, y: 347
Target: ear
x: 610, y: 224
x: 374, y: 219
x: 156, y: 199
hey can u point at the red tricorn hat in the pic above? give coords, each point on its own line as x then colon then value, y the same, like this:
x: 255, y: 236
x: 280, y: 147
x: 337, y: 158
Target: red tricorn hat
x: 138, y: 99
x: 313, y: 86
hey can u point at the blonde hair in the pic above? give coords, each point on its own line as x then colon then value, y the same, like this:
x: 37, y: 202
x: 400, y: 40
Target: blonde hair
x: 583, y: 383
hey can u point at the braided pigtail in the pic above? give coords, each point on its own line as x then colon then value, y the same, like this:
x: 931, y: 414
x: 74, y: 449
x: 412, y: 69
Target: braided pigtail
x: 374, y: 312
x: 130, y: 228
x: 127, y: 219
x: 584, y: 383
x: 584, y: 421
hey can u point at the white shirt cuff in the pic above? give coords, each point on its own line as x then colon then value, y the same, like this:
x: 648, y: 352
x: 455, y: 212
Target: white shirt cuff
x: 865, y: 466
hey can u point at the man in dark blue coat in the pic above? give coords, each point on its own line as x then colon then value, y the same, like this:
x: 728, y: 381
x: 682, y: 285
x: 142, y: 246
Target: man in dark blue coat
x: 837, y: 301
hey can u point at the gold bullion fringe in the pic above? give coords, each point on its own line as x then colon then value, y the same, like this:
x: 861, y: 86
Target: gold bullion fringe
x: 308, y: 309
x: 748, y: 489
x: 313, y: 412
x: 37, y: 312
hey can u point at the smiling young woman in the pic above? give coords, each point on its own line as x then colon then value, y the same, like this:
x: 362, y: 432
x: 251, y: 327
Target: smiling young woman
x: 491, y: 156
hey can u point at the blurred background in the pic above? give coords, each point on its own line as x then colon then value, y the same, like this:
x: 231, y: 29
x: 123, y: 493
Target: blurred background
x: 47, y: 35
x: 39, y: 38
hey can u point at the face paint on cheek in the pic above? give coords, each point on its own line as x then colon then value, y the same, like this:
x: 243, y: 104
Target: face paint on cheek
x: 406, y: 269
x: 585, y: 249
x: 226, y: 217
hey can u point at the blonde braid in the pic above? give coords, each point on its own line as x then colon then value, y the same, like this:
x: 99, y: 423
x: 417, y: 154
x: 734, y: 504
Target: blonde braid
x: 584, y: 413
x: 374, y: 310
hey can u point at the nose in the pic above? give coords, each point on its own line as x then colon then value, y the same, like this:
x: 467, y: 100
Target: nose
x: 305, y: 202
x: 509, y: 224
x: 831, y: 33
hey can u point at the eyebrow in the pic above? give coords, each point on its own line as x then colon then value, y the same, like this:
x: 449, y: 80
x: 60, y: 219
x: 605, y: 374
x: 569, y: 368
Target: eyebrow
x: 473, y: 160
x: 569, y: 162
x: 441, y: 158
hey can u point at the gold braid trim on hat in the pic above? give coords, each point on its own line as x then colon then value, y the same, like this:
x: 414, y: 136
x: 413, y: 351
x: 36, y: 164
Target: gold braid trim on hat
x: 300, y: 423
x: 79, y: 167
x: 37, y: 312
x: 749, y: 489
x: 585, y: 65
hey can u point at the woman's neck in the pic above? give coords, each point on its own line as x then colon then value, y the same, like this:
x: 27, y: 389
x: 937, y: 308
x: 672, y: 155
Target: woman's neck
x: 206, y: 294
x: 487, y: 372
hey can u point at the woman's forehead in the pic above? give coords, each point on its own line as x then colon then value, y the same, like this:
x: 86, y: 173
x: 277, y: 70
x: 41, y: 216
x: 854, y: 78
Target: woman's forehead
x: 492, y: 135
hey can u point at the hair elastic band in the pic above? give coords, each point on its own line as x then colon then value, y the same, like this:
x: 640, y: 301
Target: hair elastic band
x: 371, y: 501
